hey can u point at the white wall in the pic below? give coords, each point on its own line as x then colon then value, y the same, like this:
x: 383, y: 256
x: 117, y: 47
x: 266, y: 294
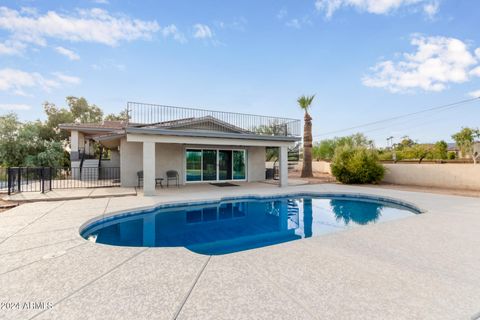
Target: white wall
x: 256, y: 163
x: 114, y: 161
x: 169, y: 156
x: 131, y: 161
x: 455, y: 176
x: 317, y: 166
x: 448, y: 175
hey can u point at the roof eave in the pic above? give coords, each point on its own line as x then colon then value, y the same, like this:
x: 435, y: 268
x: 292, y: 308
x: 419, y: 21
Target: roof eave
x: 215, y: 134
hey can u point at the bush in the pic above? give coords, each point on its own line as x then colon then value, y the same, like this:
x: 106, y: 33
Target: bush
x: 356, y: 165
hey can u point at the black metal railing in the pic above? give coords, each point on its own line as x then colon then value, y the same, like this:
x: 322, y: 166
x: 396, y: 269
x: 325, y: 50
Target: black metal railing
x: 167, y: 117
x: 44, y: 179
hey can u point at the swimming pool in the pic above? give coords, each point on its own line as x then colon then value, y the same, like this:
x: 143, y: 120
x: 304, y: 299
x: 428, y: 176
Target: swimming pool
x: 236, y: 224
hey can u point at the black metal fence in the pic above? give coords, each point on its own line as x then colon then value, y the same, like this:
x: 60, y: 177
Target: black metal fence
x: 160, y: 116
x: 44, y: 179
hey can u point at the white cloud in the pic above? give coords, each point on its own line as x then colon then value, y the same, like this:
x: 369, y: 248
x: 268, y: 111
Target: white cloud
x: 66, y: 79
x: 431, y: 9
x: 475, y: 71
x: 14, y: 107
x: 282, y: 14
x: 10, y: 47
x: 172, y: 31
x: 202, y: 31
x: 477, y: 52
x: 17, y: 81
x: 92, y: 25
x: 437, y: 62
x: 238, y: 24
x: 68, y: 53
x: 474, y: 94
x: 373, y: 6
x: 293, y: 23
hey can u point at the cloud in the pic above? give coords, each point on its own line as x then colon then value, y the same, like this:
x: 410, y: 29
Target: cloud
x: 10, y: 47
x: 87, y: 25
x: 101, y: 1
x: 202, y: 31
x: 66, y: 79
x: 374, y: 6
x: 14, y: 107
x: 475, y: 71
x: 437, y: 62
x: 68, y: 53
x: 238, y: 24
x: 282, y: 14
x: 474, y: 94
x: 173, y: 32
x: 17, y: 81
x: 431, y: 9
x: 293, y: 23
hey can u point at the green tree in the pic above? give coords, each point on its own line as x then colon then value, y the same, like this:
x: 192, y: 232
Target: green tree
x: 440, y: 150
x: 357, y: 165
x: 84, y: 112
x: 11, y: 152
x: 465, y: 140
x: 305, y: 102
x: 122, y: 116
x: 56, y: 116
x: 324, y: 150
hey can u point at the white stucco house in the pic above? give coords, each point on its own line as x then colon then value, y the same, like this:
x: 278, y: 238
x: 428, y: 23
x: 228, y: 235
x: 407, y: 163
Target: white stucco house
x: 203, y: 146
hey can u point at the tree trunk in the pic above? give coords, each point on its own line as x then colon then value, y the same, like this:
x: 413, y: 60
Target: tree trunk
x: 307, y: 147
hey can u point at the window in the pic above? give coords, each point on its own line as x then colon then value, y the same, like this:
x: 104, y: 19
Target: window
x: 215, y: 165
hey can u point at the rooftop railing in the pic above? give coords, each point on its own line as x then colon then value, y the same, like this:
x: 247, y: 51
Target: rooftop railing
x: 169, y: 117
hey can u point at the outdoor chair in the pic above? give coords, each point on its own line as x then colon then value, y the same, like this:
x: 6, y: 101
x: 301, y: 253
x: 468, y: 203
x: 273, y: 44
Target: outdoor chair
x: 172, y: 175
x: 158, y: 181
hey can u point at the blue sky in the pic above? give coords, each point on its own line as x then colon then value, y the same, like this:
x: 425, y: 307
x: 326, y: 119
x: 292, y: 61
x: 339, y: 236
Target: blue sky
x: 365, y: 60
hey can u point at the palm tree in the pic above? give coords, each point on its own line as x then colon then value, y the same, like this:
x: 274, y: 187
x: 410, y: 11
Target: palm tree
x: 305, y: 102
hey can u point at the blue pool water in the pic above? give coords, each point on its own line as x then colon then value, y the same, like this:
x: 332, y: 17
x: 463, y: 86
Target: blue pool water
x: 241, y: 224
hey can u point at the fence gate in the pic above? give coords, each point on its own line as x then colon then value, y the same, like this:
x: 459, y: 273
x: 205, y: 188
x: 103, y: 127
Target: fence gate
x: 44, y: 179
x: 29, y: 179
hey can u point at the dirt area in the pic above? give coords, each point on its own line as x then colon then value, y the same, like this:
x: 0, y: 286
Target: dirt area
x: 318, y: 177
x: 456, y: 192
x: 5, y: 205
x: 327, y: 178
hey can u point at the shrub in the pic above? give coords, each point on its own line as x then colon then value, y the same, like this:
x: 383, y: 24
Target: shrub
x: 357, y: 165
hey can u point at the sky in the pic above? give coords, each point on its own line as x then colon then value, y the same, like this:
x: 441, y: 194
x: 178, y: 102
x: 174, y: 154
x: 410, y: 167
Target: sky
x: 365, y: 60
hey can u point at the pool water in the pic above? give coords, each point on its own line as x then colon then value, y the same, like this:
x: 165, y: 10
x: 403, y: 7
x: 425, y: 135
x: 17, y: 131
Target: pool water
x: 242, y: 224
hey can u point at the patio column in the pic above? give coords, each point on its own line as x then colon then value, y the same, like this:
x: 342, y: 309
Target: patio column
x: 74, y: 148
x: 283, y: 166
x: 148, y: 168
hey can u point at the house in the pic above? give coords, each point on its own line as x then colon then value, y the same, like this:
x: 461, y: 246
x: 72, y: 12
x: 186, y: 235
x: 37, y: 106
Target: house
x: 452, y: 147
x: 203, y: 146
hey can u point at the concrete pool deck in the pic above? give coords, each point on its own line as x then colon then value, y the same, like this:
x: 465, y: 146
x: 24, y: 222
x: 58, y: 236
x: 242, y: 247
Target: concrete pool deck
x: 421, y: 267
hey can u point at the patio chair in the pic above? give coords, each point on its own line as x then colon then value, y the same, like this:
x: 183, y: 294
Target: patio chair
x: 158, y: 181
x: 172, y: 175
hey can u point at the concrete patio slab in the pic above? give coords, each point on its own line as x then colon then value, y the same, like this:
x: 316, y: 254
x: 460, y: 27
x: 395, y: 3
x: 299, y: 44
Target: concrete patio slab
x: 70, y: 194
x: 154, y: 282
x: 423, y: 266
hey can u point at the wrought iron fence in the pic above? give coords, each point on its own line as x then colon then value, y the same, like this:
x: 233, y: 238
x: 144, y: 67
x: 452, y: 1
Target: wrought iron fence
x: 160, y: 116
x: 43, y: 179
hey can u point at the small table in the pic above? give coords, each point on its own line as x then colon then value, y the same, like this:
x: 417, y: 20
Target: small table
x: 158, y: 181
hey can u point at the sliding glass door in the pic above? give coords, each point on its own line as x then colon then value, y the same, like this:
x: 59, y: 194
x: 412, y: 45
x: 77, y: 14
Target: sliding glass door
x: 194, y: 165
x: 209, y: 165
x: 239, y: 165
x: 225, y: 165
x: 215, y: 165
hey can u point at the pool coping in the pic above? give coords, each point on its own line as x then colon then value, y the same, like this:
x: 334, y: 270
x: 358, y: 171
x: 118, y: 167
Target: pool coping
x: 111, y: 216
